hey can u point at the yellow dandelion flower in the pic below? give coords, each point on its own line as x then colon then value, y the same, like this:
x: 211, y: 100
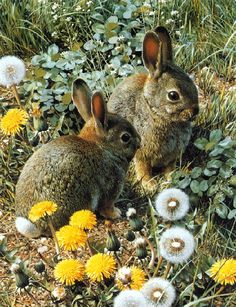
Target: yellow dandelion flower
x: 13, y: 121
x: 42, y: 209
x: 130, y: 278
x: 84, y: 219
x: 71, y: 237
x: 224, y: 271
x: 100, y: 266
x: 68, y: 271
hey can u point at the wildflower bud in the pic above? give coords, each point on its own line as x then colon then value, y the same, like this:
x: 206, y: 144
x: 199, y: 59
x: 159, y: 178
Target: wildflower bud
x: 130, y: 236
x: 113, y: 244
x: 131, y: 213
x: 136, y: 224
x: 141, y: 252
x: 15, y: 267
x: 59, y: 293
x: 22, y: 280
x: 39, y: 267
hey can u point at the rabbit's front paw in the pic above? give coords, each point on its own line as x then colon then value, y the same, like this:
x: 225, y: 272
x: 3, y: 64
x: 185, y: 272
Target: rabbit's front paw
x: 149, y: 185
x: 111, y: 212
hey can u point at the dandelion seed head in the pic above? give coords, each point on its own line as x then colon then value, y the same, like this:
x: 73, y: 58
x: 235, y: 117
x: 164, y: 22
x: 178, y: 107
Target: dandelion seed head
x: 172, y: 204
x: 176, y: 245
x: 159, y: 292
x: 130, y: 298
x: 12, y: 70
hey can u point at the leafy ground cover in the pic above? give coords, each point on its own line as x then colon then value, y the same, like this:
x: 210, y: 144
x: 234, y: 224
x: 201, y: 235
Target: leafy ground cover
x: 101, y: 42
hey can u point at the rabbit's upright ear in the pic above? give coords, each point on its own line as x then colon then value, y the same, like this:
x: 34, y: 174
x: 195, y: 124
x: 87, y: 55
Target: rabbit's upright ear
x: 152, y: 53
x: 81, y: 96
x: 164, y: 36
x: 99, y: 112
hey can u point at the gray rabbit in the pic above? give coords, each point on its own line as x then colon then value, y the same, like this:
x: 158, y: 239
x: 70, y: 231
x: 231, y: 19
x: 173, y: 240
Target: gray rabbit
x: 160, y: 105
x: 78, y: 172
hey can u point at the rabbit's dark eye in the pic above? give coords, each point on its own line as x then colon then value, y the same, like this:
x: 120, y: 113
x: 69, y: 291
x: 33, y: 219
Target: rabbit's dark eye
x: 173, y: 96
x: 125, y: 137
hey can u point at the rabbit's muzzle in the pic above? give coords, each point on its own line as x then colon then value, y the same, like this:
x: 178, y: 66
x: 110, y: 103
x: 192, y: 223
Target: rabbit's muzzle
x: 189, y: 114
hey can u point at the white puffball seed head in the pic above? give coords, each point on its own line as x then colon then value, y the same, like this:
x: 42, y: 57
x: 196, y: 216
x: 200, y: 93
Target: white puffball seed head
x: 159, y: 292
x: 12, y: 70
x: 130, y: 298
x: 176, y: 245
x: 172, y: 204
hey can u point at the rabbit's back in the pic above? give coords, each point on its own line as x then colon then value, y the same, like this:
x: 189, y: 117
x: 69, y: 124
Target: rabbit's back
x: 71, y: 172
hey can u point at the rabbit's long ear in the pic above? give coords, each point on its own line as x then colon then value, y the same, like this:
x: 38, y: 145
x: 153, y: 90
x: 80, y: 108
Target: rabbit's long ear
x: 167, y: 53
x: 99, y: 112
x: 81, y: 96
x: 152, y: 51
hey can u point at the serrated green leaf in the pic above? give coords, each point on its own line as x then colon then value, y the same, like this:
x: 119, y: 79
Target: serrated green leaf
x: 222, y: 211
x: 39, y: 73
x: 98, y: 17
x: 113, y: 19
x: 98, y: 28
x: 208, y: 172
x: 194, y: 186
x: 200, y: 143
x: 216, y: 135
x: 214, y: 164
x: 53, y: 49
x: 182, y: 184
x: 111, y: 26
x: 217, y: 151
x: 210, y: 145
x: 225, y: 171
x: 203, y: 185
x: 113, y: 40
x: 127, y: 14
x: 66, y: 99
x: 89, y: 45
x: 196, y: 172
x: 232, y: 214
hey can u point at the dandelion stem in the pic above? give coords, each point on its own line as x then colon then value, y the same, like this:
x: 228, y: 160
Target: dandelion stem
x: 168, y: 267
x: 220, y: 290
x: 53, y: 235
x: 118, y: 260
x: 153, y: 252
x: 33, y: 298
x: 158, y: 266
x: 14, y: 89
x: 89, y: 248
x: 145, y: 269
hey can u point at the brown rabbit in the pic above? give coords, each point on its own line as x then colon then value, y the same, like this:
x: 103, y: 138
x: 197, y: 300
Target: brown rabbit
x: 78, y: 172
x: 160, y: 105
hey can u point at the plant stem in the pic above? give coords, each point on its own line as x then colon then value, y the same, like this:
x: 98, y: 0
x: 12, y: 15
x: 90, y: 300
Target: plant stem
x: 145, y: 269
x: 118, y: 260
x: 14, y: 89
x: 153, y: 252
x: 220, y: 290
x: 89, y: 248
x: 168, y: 267
x: 158, y: 266
x: 53, y: 235
x: 33, y: 298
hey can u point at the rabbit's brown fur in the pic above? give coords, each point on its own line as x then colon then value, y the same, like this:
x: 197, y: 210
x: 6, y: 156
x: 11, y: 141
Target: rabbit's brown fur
x: 78, y: 172
x: 164, y: 125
